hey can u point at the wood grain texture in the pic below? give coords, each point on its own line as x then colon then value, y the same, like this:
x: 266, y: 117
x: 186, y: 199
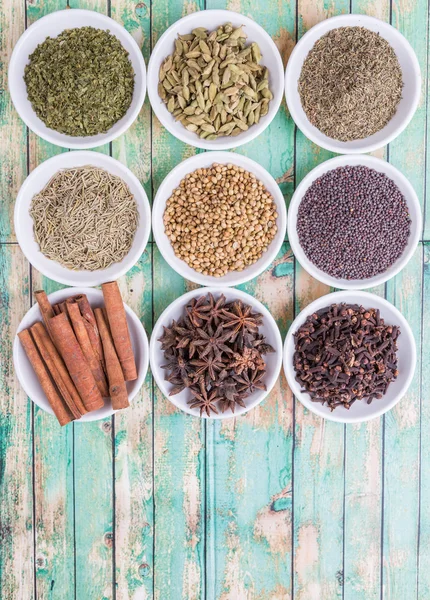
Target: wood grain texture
x: 155, y: 504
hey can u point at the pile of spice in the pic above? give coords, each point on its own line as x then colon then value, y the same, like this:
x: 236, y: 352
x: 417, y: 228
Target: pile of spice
x: 81, y: 356
x: 344, y: 353
x: 81, y: 82
x: 213, y: 82
x: 215, y: 351
x: 353, y: 222
x: 350, y: 84
x: 85, y: 218
x: 220, y: 219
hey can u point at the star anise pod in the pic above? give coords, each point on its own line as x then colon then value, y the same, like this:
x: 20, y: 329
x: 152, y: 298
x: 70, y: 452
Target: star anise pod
x: 210, y: 364
x: 249, y: 358
x: 249, y: 381
x: 196, y: 310
x: 202, y: 399
x: 261, y: 345
x: 241, y: 318
x: 178, y: 367
x: 178, y: 385
x: 168, y: 339
x: 213, y: 341
x: 215, y: 309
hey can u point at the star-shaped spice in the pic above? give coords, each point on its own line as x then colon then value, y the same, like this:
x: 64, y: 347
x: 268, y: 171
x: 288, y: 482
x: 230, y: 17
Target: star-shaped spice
x: 249, y: 381
x: 215, y: 309
x: 203, y: 400
x: 241, y: 318
x: 213, y: 341
x: 178, y: 367
x: 249, y: 358
x: 196, y: 311
x: 211, y: 363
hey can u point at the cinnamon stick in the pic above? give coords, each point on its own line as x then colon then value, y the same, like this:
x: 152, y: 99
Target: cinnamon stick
x: 45, y: 307
x: 70, y: 350
x: 91, y: 326
x: 56, y: 309
x: 119, y: 329
x: 86, y: 347
x: 117, y: 386
x: 57, y: 369
x: 57, y: 404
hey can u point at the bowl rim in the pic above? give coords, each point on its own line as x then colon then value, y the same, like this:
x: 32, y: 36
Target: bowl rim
x: 339, y: 297
x: 230, y: 142
x: 192, y: 163
x: 304, y: 125
x: 26, y: 190
x: 354, y: 160
x: 69, y: 141
x: 181, y: 301
x: 58, y: 295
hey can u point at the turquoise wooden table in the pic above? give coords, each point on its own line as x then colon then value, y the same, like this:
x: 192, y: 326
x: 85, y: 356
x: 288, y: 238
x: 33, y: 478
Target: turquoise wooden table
x: 153, y: 503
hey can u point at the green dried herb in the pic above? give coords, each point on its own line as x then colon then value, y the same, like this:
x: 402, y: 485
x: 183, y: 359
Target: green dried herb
x: 81, y: 82
x: 350, y: 84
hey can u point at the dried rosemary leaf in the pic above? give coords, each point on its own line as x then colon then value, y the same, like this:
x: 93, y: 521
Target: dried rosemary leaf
x: 350, y: 84
x: 81, y: 82
x: 85, y: 218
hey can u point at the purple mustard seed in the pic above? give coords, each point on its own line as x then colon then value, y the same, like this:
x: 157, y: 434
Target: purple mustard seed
x: 353, y: 223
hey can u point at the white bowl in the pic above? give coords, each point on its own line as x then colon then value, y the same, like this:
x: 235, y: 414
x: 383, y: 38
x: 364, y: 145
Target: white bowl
x: 411, y: 80
x: 23, y: 222
x: 52, y: 25
x: 211, y: 19
x: 360, y: 411
x: 28, y: 379
x: 172, y: 181
x: 410, y: 197
x: 268, y: 329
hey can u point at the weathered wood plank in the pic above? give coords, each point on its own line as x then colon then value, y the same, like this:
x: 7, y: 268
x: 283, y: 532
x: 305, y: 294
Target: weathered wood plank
x: 178, y: 438
x: 13, y: 138
x: 179, y: 469
x: 54, y: 494
x: 16, y: 454
x: 319, y: 445
x: 133, y: 457
x: 249, y: 462
x: 401, y: 453
x: 424, y: 516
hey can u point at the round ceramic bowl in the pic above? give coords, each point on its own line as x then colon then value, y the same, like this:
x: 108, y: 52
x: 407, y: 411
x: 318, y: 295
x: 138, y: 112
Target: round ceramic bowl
x: 28, y: 379
x: 211, y: 19
x: 52, y: 25
x: 172, y: 181
x: 414, y: 211
x: 411, y: 84
x: 37, y: 180
x: 360, y: 411
x: 269, y: 329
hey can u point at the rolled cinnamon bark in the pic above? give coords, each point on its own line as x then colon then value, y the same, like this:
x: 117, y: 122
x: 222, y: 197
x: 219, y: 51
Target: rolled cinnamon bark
x: 117, y: 386
x: 91, y: 326
x: 56, y: 367
x: 56, y: 309
x: 119, y: 329
x: 79, y: 370
x: 57, y: 404
x: 86, y: 347
x: 45, y: 307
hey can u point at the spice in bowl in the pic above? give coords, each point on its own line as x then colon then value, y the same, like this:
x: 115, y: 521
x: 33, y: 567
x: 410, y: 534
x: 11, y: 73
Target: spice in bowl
x: 220, y: 219
x: 85, y: 218
x: 353, y: 222
x: 213, y: 82
x: 79, y: 355
x: 350, y: 84
x: 215, y: 351
x: 344, y: 353
x: 81, y: 82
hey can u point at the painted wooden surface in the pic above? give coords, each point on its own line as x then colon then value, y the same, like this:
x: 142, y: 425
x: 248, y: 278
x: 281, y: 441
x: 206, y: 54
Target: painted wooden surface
x: 154, y: 504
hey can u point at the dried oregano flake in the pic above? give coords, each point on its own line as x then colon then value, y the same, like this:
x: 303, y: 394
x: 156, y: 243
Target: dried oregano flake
x: 213, y: 82
x: 81, y: 82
